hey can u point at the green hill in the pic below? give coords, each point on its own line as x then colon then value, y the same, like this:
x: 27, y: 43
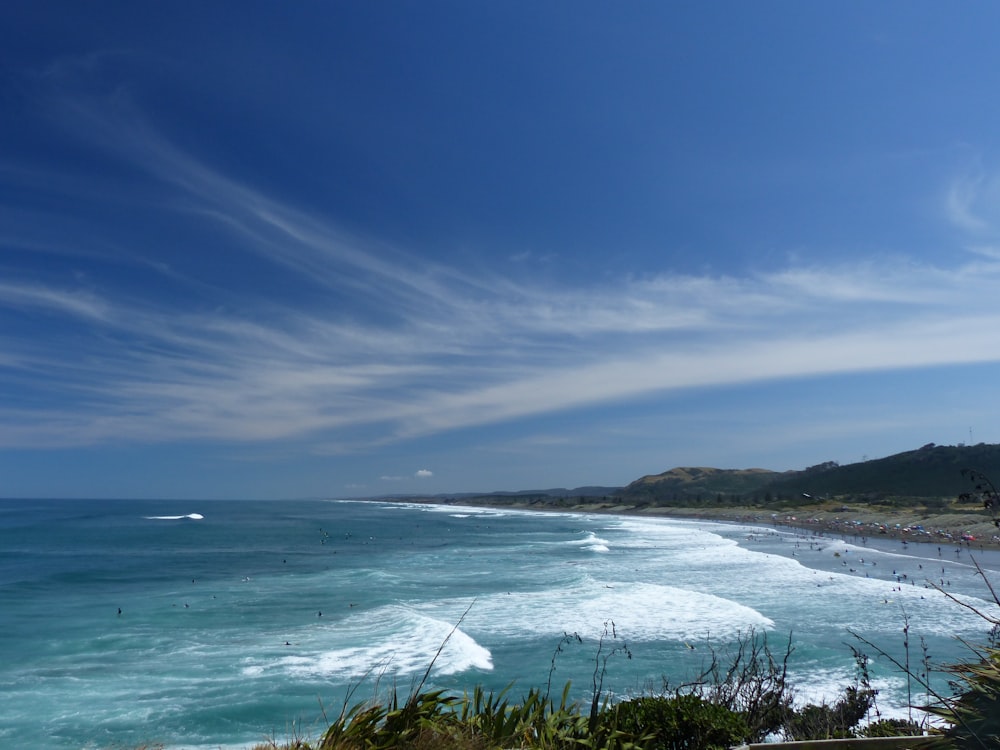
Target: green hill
x: 692, y: 482
x: 930, y: 476
x: 933, y: 471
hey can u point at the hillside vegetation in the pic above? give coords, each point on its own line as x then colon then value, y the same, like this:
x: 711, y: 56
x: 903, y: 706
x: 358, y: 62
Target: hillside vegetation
x: 932, y: 474
x: 933, y: 471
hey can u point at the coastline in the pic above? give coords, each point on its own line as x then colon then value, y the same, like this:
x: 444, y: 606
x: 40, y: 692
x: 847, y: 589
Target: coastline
x: 971, y: 529
x: 858, y: 529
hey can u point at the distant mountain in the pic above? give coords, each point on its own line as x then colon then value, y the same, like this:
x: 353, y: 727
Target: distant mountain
x: 586, y: 492
x: 933, y: 471
x: 687, y: 482
x: 504, y: 497
x: 930, y: 471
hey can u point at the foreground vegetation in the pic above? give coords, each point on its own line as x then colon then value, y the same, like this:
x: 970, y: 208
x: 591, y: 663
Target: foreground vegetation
x: 743, y: 696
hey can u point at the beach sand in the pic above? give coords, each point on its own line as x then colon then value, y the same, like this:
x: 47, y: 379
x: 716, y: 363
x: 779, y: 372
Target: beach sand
x: 968, y: 526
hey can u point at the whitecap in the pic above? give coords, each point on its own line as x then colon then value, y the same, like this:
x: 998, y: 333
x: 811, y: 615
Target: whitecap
x: 595, y: 544
x: 391, y: 640
x: 643, y: 611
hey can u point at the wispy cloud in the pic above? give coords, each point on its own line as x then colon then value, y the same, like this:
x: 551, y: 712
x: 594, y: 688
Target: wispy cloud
x: 972, y: 203
x: 960, y: 205
x: 149, y: 375
x: 407, y: 347
x: 78, y: 303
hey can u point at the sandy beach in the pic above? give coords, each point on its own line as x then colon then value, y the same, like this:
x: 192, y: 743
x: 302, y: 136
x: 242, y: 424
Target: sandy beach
x: 968, y: 527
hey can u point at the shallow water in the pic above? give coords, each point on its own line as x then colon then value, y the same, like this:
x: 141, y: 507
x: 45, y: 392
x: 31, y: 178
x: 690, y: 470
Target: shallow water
x: 252, y: 620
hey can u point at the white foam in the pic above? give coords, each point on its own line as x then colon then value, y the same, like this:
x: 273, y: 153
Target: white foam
x: 473, y: 510
x: 192, y: 516
x: 641, y: 611
x: 705, y: 547
x: 656, y: 533
x: 826, y: 686
x: 595, y: 544
x: 392, y: 640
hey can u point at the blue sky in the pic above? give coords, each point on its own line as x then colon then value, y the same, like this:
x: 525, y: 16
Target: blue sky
x: 270, y: 250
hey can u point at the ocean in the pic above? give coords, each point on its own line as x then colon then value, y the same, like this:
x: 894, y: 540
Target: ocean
x: 217, y: 624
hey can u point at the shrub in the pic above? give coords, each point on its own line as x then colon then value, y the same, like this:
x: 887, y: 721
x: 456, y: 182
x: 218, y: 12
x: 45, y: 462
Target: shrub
x: 750, y: 680
x: 681, y: 722
x: 824, y: 721
x: 892, y: 728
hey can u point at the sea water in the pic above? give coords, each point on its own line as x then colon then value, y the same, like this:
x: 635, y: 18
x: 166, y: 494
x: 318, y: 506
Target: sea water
x: 221, y: 624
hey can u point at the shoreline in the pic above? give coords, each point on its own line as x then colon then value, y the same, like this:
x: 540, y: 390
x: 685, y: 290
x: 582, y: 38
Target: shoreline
x: 820, y: 527
x: 971, y: 530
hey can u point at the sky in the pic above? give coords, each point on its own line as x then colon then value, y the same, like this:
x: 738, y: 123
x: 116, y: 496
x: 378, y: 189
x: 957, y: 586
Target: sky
x: 341, y: 249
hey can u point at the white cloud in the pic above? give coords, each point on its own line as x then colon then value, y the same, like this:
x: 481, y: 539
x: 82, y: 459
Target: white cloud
x: 423, y: 473
x: 989, y: 251
x: 297, y: 372
x: 38, y: 297
x: 219, y: 375
x: 960, y: 204
x: 424, y: 348
x: 972, y: 203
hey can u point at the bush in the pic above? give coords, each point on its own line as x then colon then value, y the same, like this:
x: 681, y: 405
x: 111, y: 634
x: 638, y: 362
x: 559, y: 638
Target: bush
x: 750, y: 680
x: 682, y: 722
x: 825, y: 722
x: 892, y: 728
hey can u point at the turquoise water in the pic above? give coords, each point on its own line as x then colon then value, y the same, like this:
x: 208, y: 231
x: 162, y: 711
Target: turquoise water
x: 252, y: 620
